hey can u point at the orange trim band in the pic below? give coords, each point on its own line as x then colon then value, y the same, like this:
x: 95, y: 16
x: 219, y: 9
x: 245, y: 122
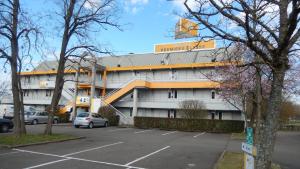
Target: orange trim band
x: 49, y: 72
x: 171, y: 66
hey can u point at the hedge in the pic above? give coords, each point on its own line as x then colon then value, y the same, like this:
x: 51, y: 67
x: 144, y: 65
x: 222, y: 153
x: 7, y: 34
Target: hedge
x: 110, y: 114
x: 289, y: 128
x: 216, y: 126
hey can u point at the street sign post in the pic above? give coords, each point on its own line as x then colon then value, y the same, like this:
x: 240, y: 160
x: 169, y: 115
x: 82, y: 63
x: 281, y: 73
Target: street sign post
x: 249, y: 135
x: 249, y: 150
x: 249, y: 161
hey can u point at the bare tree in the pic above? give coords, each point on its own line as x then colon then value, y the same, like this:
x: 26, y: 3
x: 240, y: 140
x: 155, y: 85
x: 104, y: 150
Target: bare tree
x: 193, y: 109
x: 271, y: 30
x: 79, y: 18
x: 17, y: 34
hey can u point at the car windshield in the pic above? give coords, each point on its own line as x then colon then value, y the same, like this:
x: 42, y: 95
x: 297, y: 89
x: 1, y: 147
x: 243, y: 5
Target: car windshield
x: 83, y: 115
x: 29, y: 113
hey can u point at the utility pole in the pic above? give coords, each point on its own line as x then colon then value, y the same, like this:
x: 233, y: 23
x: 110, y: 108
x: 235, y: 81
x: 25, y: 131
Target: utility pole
x: 74, y: 112
x: 92, y: 96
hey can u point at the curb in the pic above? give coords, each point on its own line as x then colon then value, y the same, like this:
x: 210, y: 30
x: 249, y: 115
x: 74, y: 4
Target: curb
x: 219, y: 159
x: 63, y: 124
x: 41, y: 143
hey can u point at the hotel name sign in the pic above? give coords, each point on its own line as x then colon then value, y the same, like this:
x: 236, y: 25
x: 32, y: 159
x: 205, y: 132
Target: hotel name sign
x: 184, y: 46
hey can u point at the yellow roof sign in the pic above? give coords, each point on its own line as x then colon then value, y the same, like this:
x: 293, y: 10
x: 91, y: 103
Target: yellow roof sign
x: 186, y: 29
x: 184, y: 46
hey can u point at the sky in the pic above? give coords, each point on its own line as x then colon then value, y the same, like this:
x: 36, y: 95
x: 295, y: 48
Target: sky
x: 143, y: 23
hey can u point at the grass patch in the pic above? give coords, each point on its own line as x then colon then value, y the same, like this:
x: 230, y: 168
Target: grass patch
x: 11, y: 140
x: 238, y: 136
x: 231, y: 160
x: 234, y: 160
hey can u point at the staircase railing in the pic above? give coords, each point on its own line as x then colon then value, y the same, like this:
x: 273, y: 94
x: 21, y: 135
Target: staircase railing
x: 118, y: 88
x: 123, y: 118
x: 69, y: 91
x: 123, y: 85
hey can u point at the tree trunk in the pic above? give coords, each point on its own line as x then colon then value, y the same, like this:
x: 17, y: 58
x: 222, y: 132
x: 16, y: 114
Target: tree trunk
x: 253, y: 103
x: 59, y: 81
x: 266, y: 142
x: 258, y: 101
x: 19, y: 128
x: 16, y: 99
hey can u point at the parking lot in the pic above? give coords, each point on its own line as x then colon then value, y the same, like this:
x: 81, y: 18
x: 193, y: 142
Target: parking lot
x: 113, y: 148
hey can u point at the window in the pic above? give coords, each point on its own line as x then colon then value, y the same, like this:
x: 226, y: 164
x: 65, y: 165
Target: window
x: 213, y: 94
x: 220, y: 115
x: 136, y: 73
x: 83, y: 115
x: 48, y: 93
x: 27, y: 79
x: 172, y: 113
x: 25, y: 93
x: 172, y: 74
x: 172, y: 93
x: 95, y: 115
x: 213, y: 116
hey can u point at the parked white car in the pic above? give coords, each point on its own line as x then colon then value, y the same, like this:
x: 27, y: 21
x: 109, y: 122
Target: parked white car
x: 89, y: 120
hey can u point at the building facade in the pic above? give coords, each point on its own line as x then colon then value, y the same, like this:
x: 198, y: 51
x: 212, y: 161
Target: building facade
x: 152, y: 85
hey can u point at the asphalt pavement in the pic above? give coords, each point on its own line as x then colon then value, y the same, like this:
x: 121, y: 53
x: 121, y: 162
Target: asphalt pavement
x: 114, y: 148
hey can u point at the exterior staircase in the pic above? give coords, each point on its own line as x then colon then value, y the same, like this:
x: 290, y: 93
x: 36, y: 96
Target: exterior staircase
x: 68, y: 94
x: 118, y: 93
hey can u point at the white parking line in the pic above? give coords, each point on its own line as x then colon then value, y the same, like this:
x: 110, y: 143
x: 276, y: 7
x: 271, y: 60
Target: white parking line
x: 101, y: 162
x: 71, y: 158
x: 92, y: 149
x: 34, y: 152
x: 44, y: 164
x: 121, y: 129
x: 14, y: 152
x: 195, y: 136
x: 143, y: 131
x: 169, y: 133
x: 141, y: 158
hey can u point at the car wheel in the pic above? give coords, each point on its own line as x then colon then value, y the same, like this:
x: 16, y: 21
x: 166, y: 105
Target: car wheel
x: 76, y: 126
x: 34, y: 122
x: 106, y: 124
x: 91, y: 125
x: 55, y: 121
x: 4, y: 128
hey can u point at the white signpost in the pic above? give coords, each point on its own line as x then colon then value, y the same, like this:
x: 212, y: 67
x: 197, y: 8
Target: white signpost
x: 250, y: 149
x: 249, y: 161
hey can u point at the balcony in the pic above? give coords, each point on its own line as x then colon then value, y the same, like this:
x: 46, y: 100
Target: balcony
x: 86, y: 84
x: 43, y: 84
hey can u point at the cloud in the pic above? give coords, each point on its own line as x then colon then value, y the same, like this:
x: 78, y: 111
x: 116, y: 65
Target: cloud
x: 179, y: 5
x: 91, y: 4
x: 134, y: 2
x: 134, y: 6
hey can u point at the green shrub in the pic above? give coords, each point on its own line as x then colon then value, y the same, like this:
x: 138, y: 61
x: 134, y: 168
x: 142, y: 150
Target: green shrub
x: 218, y: 126
x: 110, y: 114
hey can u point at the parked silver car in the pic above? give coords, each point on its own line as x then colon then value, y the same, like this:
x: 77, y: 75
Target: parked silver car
x: 38, y: 117
x: 90, y: 121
